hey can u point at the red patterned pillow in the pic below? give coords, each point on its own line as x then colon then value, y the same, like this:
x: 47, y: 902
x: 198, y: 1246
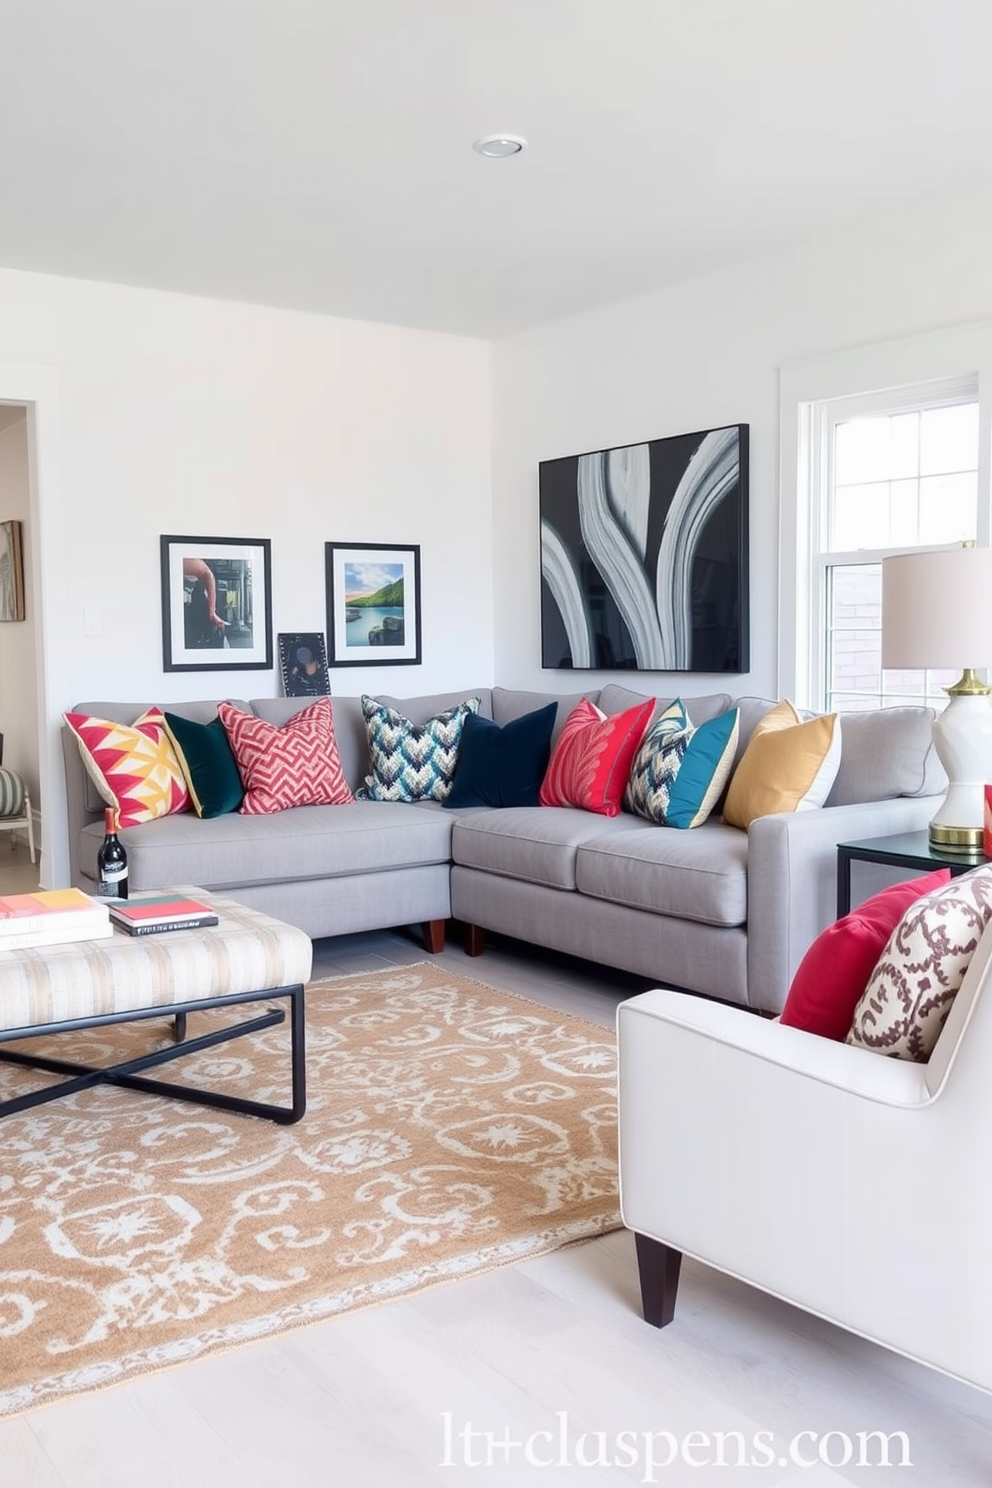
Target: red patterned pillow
x: 296, y: 765
x: 590, y: 764
x: 836, y: 969
x: 133, y: 766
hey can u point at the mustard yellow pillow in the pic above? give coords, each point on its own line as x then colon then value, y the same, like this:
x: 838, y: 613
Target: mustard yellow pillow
x: 788, y: 765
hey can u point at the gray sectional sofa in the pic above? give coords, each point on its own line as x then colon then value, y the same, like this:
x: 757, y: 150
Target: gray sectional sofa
x: 714, y: 910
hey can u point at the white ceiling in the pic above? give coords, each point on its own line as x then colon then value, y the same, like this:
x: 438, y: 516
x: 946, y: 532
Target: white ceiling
x: 317, y: 153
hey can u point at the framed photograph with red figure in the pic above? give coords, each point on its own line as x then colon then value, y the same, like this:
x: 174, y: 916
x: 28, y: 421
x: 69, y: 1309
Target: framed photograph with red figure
x: 216, y: 604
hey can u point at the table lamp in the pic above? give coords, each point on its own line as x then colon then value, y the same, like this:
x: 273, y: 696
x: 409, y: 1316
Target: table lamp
x: 937, y: 613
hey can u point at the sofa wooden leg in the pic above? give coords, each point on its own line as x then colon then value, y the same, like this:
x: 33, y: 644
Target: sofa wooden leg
x: 434, y: 936
x: 475, y: 940
x: 658, y: 1267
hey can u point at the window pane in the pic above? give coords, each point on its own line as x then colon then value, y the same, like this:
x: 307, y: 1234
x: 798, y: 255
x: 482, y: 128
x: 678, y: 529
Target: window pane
x: 904, y: 429
x: 948, y: 508
x: 857, y: 594
x: 857, y: 660
x: 861, y: 451
x: 855, y: 680
x: 854, y: 635
x: 918, y: 687
x: 876, y: 500
x: 845, y: 525
x: 861, y: 517
x: 937, y: 683
x: 906, y: 684
x: 853, y: 702
x: 948, y: 439
x: 904, y: 508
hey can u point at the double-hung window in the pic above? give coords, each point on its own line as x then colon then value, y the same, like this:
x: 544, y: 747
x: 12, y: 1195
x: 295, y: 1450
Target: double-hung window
x: 888, y: 470
x: 892, y: 474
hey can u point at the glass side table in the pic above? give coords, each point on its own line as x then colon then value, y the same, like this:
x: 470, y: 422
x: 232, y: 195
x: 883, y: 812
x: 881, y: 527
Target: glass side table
x: 905, y: 850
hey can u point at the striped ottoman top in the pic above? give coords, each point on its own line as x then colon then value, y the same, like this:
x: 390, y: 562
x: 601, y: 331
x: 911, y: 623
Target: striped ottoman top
x: 246, y: 951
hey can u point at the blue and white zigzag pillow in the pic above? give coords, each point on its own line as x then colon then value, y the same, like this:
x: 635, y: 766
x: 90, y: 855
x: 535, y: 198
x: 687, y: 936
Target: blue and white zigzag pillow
x: 412, y: 761
x: 680, y: 770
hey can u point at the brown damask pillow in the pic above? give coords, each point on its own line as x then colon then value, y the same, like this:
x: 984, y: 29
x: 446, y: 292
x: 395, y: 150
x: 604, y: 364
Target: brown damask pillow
x: 904, y: 1005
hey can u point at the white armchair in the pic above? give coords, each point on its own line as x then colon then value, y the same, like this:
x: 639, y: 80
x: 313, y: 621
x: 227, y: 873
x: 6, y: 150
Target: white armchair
x: 853, y: 1185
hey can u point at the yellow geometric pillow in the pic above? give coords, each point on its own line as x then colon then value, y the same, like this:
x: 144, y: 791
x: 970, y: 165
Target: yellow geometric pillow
x: 134, y: 767
x: 788, y: 765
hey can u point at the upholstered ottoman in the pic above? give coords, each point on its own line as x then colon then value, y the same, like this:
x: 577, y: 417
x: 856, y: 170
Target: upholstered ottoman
x: 246, y: 957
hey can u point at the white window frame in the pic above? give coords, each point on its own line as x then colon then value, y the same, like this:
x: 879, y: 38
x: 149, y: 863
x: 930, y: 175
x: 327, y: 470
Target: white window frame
x: 888, y: 375
x: 824, y: 418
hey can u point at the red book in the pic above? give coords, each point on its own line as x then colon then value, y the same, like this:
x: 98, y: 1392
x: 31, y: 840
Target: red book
x: 144, y: 914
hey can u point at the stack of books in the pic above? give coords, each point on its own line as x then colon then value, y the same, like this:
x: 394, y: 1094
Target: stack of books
x: 150, y: 914
x: 51, y: 917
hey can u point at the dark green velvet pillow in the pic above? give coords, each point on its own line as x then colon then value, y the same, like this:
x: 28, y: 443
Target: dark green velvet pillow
x: 208, y: 764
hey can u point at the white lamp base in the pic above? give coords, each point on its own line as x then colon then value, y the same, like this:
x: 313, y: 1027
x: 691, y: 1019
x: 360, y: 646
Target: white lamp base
x: 962, y: 737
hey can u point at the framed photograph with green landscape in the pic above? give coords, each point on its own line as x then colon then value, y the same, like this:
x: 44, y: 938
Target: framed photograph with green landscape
x: 373, y: 604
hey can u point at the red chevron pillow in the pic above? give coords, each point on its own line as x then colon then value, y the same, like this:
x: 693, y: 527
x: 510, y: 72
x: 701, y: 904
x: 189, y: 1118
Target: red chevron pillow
x: 591, y: 761
x: 296, y: 765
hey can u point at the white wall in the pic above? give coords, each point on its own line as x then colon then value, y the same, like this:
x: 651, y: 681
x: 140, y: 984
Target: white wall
x: 164, y: 413
x: 192, y: 416
x: 700, y: 355
x: 18, y: 690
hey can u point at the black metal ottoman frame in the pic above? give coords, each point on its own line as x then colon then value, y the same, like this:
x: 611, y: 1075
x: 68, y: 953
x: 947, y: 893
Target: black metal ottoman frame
x: 126, y: 1074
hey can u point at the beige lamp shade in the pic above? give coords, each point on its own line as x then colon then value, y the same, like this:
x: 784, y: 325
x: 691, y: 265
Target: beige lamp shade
x: 937, y: 609
x: 937, y: 613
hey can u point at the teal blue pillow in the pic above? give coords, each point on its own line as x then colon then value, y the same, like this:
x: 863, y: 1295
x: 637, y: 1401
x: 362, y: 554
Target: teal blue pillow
x: 679, y: 772
x: 208, y: 763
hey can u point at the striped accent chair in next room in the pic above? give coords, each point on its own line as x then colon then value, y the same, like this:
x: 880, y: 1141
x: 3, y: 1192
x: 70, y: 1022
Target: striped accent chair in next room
x: 15, y: 807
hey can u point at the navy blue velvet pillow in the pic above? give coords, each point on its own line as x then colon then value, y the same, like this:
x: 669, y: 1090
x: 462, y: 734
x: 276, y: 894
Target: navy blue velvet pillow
x: 503, y: 766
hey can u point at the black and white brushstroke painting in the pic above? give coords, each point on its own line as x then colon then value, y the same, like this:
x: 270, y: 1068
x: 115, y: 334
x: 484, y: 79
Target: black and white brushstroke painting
x: 644, y: 563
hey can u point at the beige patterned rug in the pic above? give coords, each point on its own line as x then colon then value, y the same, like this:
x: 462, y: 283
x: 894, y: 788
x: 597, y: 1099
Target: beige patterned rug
x: 450, y: 1128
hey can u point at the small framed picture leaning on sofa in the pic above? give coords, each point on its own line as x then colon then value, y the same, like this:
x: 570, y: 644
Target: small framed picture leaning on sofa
x: 303, y: 664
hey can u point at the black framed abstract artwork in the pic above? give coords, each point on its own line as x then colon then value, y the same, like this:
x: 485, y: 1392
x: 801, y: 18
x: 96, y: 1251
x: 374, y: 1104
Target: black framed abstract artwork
x: 216, y: 604
x: 644, y: 556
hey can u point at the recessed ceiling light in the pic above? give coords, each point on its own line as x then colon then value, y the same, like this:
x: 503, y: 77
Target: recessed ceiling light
x: 498, y: 146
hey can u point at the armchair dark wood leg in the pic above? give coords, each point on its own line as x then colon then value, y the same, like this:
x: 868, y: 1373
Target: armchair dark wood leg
x: 475, y: 940
x: 434, y: 936
x: 658, y: 1267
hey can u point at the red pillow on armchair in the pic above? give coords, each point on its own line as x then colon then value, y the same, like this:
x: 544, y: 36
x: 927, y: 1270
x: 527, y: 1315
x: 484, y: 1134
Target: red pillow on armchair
x: 837, y: 967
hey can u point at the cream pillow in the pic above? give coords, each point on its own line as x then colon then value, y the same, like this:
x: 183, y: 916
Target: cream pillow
x: 788, y: 765
x: 905, y: 1004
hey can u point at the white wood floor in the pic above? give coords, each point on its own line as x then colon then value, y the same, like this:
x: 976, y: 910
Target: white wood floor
x: 550, y: 1345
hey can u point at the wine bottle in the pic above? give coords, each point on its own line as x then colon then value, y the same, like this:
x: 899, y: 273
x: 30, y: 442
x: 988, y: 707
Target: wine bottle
x: 111, y: 861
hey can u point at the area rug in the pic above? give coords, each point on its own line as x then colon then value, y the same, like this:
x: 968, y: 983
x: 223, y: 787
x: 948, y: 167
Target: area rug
x: 450, y: 1128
